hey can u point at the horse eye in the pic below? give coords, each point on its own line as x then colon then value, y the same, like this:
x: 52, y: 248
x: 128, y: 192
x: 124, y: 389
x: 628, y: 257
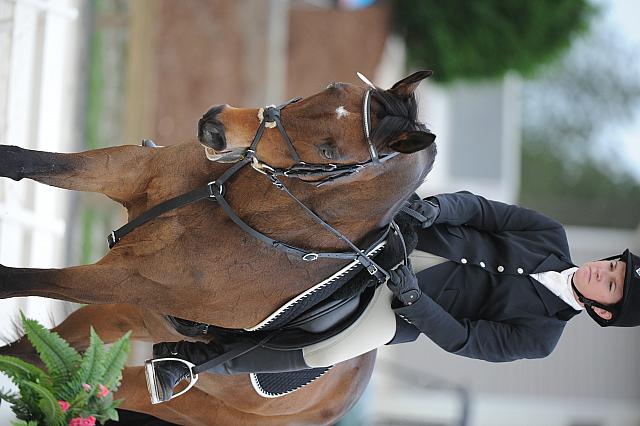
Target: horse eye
x: 327, y: 150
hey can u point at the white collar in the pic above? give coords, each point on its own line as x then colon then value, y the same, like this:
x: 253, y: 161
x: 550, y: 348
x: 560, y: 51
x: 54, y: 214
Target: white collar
x: 560, y: 284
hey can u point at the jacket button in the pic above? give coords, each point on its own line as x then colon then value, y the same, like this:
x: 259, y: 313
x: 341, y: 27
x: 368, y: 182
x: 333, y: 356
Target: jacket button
x: 520, y: 270
x: 463, y: 260
x: 482, y: 264
x: 500, y: 268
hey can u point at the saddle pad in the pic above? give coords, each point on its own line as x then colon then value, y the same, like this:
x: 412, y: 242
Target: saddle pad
x: 273, y: 385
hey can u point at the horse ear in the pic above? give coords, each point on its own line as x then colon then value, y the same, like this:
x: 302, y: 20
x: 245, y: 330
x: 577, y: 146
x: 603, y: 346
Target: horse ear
x: 409, y: 142
x: 406, y: 86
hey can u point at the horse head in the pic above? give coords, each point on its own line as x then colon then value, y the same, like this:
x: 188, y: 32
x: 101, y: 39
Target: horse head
x: 328, y: 137
x: 325, y: 127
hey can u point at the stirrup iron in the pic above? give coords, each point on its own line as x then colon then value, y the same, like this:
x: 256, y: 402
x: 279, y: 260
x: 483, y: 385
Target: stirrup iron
x: 152, y: 380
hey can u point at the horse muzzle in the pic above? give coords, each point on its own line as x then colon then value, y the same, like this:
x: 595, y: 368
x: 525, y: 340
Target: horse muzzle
x: 211, y: 130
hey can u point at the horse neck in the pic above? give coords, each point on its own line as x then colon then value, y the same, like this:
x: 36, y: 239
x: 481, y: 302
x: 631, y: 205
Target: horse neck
x: 358, y: 208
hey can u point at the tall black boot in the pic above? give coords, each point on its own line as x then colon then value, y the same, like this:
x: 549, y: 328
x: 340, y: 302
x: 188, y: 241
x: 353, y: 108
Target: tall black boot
x: 258, y: 360
x: 170, y: 373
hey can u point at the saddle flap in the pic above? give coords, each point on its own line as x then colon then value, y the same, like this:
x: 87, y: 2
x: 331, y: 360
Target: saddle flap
x: 326, y: 315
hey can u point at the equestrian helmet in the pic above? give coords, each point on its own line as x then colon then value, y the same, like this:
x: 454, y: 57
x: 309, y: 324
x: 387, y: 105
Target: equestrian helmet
x: 626, y: 313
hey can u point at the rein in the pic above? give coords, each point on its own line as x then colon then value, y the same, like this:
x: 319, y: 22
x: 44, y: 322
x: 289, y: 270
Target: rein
x: 214, y: 191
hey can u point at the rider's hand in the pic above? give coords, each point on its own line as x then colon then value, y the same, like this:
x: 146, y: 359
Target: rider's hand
x: 429, y: 208
x: 403, y: 283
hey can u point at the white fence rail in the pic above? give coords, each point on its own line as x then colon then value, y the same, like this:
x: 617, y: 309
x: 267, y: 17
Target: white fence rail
x: 38, y: 43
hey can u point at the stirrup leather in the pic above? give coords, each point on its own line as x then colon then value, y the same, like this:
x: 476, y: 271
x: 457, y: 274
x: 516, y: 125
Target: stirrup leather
x: 152, y: 379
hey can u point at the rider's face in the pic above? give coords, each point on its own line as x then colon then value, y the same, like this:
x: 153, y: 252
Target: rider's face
x: 602, y: 281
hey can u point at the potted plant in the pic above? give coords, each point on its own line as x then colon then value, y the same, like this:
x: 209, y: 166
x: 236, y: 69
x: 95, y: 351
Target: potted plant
x: 75, y: 390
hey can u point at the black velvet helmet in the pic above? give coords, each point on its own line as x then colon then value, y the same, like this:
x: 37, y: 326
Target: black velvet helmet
x: 625, y: 313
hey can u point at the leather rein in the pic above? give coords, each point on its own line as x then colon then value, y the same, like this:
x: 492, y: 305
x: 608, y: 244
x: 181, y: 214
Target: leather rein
x: 214, y: 191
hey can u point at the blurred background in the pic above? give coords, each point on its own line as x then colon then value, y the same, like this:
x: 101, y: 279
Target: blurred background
x: 535, y: 103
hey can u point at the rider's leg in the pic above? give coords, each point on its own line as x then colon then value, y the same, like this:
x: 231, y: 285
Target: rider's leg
x: 259, y: 359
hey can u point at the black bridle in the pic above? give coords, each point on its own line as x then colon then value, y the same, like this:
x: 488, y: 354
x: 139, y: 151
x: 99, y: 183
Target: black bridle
x: 270, y: 117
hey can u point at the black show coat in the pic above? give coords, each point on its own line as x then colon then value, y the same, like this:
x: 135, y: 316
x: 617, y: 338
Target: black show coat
x: 483, y: 304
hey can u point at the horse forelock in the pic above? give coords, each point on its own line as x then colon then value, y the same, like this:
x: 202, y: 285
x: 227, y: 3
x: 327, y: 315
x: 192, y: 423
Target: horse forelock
x: 400, y: 114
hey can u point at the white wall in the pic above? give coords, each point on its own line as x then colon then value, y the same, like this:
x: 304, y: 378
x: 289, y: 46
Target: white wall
x: 38, y: 88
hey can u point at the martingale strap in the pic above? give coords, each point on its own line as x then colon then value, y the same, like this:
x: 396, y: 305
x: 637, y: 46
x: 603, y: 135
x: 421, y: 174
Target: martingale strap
x: 179, y: 201
x: 214, y: 191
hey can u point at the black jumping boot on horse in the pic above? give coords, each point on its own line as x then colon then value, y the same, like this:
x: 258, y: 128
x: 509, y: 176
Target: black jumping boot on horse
x: 179, y: 360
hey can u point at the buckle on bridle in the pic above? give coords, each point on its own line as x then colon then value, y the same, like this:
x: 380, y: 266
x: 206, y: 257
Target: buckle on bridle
x: 220, y: 189
x: 111, y: 239
x: 269, y: 120
x: 152, y: 380
x: 310, y: 257
x: 261, y: 167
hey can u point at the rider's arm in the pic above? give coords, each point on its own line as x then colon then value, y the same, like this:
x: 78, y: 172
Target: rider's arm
x: 487, y: 340
x: 465, y: 208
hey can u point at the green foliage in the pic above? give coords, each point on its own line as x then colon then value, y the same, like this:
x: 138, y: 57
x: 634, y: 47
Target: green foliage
x: 114, y: 361
x: 577, y: 193
x: 48, y: 404
x: 461, y: 39
x: 84, y: 383
x: 60, y: 358
x: 91, y: 369
x: 17, y: 369
x: 25, y: 423
x: 572, y: 167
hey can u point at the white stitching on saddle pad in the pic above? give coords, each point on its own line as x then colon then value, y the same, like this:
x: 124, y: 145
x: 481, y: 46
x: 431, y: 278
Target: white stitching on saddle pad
x: 313, y: 289
x: 263, y: 393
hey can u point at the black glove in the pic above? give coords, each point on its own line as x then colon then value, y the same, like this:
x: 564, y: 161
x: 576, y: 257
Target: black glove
x: 403, y: 283
x: 429, y: 208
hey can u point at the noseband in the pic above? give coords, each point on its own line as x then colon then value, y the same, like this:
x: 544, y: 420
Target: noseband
x: 270, y: 117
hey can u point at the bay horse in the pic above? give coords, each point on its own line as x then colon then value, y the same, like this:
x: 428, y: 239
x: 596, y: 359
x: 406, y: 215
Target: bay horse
x: 195, y: 263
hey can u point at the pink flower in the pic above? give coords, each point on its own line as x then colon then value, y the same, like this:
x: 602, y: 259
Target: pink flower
x: 103, y: 391
x: 80, y: 421
x: 86, y: 387
x: 64, y: 405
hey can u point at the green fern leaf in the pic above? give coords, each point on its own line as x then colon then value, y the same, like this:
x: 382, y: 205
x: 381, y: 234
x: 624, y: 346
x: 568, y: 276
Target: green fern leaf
x: 92, y: 367
x: 113, y: 362
x: 24, y: 423
x: 61, y: 359
x: 70, y: 390
x: 21, y: 410
x: 17, y: 369
x: 90, y: 371
x: 48, y: 405
x: 11, y: 397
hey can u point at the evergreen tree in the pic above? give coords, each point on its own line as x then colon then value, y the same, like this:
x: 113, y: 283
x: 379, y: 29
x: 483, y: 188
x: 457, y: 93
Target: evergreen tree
x: 461, y: 39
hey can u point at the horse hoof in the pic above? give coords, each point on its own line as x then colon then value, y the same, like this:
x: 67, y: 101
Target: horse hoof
x: 10, y: 166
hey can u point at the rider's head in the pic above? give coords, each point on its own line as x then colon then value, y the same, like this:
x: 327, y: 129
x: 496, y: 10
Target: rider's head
x: 610, y: 290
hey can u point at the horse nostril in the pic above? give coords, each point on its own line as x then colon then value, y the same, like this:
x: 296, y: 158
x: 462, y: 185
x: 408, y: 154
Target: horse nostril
x: 211, y: 134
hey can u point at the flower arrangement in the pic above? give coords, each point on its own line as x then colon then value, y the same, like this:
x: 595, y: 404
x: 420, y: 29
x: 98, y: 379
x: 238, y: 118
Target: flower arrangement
x: 76, y: 390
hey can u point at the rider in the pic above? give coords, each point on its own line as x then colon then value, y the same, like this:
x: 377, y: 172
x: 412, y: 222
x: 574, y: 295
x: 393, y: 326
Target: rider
x: 490, y: 281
